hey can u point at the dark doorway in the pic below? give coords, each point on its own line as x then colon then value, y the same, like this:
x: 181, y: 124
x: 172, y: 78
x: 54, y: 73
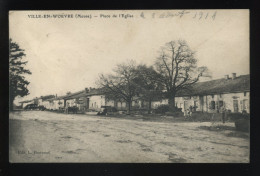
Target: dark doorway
x: 201, y: 103
x: 221, y: 103
x: 212, y: 105
x: 235, y: 104
x: 87, y: 103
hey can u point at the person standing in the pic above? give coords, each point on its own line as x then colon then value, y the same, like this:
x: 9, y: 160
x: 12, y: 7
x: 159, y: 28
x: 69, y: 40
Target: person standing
x: 191, y: 110
x: 223, y: 113
x: 67, y: 107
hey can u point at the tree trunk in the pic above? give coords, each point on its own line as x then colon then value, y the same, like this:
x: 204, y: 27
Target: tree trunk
x: 171, y: 102
x: 129, y: 107
x: 149, y: 106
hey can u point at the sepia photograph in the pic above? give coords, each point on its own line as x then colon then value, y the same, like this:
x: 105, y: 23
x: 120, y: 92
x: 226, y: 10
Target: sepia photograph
x: 129, y: 86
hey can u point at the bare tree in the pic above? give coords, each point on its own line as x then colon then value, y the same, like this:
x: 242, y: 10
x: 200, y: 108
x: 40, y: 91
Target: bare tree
x: 148, y: 84
x: 177, y: 65
x: 120, y: 85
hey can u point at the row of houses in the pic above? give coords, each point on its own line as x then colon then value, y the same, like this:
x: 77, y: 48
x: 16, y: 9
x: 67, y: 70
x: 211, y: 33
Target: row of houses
x: 231, y: 92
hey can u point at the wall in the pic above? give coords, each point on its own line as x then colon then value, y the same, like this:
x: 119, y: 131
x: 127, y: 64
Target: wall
x: 40, y: 102
x: 204, y: 102
x: 96, y: 101
x: 57, y: 106
x: 110, y: 103
x: 70, y: 103
x: 155, y: 104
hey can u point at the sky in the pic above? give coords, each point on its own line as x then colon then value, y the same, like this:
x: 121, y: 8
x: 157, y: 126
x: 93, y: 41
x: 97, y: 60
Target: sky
x: 67, y: 54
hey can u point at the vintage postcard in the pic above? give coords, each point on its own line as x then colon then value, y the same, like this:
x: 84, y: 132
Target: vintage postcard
x: 129, y: 86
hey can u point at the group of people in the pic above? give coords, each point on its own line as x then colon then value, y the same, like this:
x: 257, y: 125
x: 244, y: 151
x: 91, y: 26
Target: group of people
x: 190, y: 110
x: 221, y: 110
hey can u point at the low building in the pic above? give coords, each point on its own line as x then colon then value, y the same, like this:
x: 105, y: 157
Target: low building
x: 75, y: 99
x: 232, y: 93
x: 156, y: 104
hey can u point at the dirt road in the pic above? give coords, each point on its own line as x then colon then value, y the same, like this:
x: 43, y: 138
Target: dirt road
x: 40, y: 136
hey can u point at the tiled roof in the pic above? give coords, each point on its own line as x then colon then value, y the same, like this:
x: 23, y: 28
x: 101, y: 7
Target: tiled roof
x: 83, y: 93
x: 26, y: 101
x: 239, y: 84
x: 46, y: 97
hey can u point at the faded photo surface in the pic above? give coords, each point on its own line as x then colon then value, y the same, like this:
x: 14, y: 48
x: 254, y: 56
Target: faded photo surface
x: 129, y: 86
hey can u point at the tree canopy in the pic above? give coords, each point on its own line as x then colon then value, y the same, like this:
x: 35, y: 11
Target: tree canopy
x: 178, y: 68
x: 148, y: 84
x: 120, y: 86
x: 18, y: 83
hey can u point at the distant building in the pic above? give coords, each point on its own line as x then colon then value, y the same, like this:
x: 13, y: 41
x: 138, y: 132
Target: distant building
x: 26, y: 102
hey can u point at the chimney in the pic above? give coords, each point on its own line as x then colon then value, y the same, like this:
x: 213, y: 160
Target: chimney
x: 86, y: 90
x: 234, y: 75
x: 226, y: 77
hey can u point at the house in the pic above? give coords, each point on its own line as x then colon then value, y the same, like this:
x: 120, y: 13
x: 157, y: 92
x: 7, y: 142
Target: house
x: 232, y: 93
x: 96, y: 99
x: 51, y: 102
x: 75, y: 99
x: 39, y: 101
x: 58, y: 102
x: 157, y: 103
x: 91, y: 99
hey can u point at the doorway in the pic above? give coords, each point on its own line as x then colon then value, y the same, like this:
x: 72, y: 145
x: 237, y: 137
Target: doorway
x: 235, y: 104
x: 87, y: 103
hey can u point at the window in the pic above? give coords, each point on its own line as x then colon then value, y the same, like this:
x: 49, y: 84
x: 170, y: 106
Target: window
x: 212, y: 96
x: 245, y: 104
x: 244, y: 94
x: 212, y: 105
x: 221, y: 103
x: 220, y: 95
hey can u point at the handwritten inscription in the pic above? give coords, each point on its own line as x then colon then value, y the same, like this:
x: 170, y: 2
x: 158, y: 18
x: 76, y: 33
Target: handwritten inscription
x: 194, y: 14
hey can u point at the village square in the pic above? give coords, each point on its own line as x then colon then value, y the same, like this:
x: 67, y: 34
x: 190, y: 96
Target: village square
x: 134, y: 96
